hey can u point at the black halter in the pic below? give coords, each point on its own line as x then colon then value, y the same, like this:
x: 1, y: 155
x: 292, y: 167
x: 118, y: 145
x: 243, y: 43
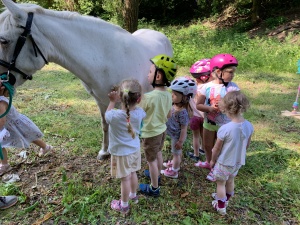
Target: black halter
x: 20, y: 43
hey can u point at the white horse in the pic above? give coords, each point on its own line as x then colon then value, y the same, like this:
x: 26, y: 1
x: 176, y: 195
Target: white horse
x: 100, y: 54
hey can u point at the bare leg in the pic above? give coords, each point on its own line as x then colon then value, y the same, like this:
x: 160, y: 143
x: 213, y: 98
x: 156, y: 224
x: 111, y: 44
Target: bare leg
x: 125, y: 188
x: 159, y: 161
x: 221, y: 191
x: 153, y: 168
x: 196, y: 142
x: 176, y: 161
x: 208, y: 143
x: 133, y: 182
x: 230, y: 185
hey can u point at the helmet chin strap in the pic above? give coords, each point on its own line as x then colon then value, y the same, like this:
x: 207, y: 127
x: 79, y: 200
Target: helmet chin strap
x: 153, y: 82
x: 223, y: 82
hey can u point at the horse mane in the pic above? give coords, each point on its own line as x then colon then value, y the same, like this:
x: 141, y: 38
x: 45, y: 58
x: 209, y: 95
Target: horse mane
x: 68, y: 15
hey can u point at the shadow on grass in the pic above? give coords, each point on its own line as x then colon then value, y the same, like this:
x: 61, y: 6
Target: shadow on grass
x: 267, y: 186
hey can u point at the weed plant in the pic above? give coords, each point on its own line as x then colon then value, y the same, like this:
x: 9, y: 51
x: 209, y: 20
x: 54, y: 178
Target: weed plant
x: 80, y: 189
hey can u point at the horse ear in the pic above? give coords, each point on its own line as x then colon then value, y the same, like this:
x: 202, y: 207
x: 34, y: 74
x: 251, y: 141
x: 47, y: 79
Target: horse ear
x: 18, y: 14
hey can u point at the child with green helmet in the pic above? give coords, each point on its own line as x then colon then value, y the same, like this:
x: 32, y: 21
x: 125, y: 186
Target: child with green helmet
x: 157, y: 105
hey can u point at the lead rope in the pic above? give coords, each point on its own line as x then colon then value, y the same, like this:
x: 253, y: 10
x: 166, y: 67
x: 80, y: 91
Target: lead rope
x: 10, y: 89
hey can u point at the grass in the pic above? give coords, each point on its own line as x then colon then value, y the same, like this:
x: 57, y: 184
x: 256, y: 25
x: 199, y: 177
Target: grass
x: 73, y: 188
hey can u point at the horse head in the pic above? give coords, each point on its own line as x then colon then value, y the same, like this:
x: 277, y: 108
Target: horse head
x: 20, y: 55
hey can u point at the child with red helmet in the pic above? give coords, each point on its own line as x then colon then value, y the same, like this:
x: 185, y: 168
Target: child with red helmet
x: 200, y: 70
x: 222, y: 67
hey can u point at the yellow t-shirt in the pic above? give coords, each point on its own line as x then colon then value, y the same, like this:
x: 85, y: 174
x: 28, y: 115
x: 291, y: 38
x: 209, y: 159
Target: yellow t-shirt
x: 157, y: 105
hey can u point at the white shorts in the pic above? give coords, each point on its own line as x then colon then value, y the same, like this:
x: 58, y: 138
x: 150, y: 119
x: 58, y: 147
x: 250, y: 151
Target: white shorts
x: 222, y: 172
x: 122, y: 166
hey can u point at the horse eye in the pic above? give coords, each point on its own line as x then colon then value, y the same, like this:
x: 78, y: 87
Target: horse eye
x: 3, y: 41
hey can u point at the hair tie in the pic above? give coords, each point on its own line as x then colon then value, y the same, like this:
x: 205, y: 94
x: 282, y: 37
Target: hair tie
x: 126, y: 90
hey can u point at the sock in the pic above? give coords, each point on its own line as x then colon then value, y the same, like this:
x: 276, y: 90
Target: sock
x: 228, y: 195
x: 153, y: 188
x: 132, y: 195
x: 221, y: 204
x: 124, y: 204
x: 176, y: 170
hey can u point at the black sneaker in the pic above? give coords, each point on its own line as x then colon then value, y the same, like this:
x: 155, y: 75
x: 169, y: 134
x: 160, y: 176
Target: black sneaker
x: 201, y: 151
x: 192, y: 156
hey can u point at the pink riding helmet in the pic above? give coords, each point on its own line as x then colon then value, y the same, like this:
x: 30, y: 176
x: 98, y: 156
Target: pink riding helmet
x: 221, y: 61
x: 201, y: 69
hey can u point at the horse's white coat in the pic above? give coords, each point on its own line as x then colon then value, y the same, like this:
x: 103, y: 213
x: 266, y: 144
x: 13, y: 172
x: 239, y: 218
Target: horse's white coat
x: 99, y: 53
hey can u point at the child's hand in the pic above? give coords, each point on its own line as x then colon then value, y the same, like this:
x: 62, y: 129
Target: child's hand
x: 178, y: 145
x: 114, y: 96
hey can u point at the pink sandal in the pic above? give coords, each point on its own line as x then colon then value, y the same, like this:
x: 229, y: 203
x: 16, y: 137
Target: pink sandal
x: 116, y: 205
x: 205, y: 165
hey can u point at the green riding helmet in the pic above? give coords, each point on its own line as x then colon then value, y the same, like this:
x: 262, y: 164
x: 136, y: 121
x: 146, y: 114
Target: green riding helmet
x: 167, y: 64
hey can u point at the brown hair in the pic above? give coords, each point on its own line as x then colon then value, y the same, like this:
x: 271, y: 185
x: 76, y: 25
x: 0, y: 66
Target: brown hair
x: 130, y: 92
x: 234, y: 103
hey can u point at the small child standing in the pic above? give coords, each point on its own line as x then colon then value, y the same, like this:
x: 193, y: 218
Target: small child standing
x: 222, y: 67
x: 200, y: 70
x: 157, y: 104
x: 22, y: 131
x: 229, y: 151
x: 124, y: 145
x: 183, y: 89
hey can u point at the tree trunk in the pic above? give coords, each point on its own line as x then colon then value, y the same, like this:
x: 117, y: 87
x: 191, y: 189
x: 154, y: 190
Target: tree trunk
x: 130, y: 14
x: 256, y: 6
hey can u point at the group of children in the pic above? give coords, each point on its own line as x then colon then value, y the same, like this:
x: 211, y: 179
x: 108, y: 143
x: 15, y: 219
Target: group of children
x: 213, y: 107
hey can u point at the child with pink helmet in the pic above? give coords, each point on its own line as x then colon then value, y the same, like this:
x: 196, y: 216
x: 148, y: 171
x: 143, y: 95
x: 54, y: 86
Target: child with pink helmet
x: 200, y: 70
x: 222, y: 67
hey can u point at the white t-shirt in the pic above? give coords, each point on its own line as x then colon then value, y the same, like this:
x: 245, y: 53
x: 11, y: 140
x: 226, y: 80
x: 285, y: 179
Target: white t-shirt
x: 121, y: 142
x: 235, y: 137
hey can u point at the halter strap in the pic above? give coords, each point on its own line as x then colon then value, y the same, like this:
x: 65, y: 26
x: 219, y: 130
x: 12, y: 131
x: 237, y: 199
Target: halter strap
x: 20, y: 43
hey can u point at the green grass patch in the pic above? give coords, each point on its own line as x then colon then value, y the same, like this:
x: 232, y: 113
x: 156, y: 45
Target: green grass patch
x: 76, y: 189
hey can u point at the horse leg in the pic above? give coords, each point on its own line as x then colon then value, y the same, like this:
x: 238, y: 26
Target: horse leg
x: 103, y: 153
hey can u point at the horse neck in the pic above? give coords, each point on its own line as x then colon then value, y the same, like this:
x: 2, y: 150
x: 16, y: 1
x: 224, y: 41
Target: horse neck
x: 78, y: 40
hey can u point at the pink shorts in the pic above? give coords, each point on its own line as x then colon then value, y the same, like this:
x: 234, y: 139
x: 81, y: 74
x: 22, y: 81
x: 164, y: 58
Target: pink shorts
x: 196, y: 122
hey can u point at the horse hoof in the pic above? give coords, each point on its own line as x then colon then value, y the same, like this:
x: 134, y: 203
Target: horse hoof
x: 102, y: 155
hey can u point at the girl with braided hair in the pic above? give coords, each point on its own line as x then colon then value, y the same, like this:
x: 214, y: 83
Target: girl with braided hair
x: 124, y: 145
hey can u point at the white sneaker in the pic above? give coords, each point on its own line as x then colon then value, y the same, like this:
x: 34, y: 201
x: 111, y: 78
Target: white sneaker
x: 221, y: 211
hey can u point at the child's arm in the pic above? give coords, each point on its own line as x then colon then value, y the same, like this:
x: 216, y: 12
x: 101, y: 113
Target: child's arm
x: 202, y: 107
x: 169, y: 114
x: 3, y: 107
x: 113, y: 98
x: 182, y: 138
x: 216, y: 152
x: 249, y: 140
